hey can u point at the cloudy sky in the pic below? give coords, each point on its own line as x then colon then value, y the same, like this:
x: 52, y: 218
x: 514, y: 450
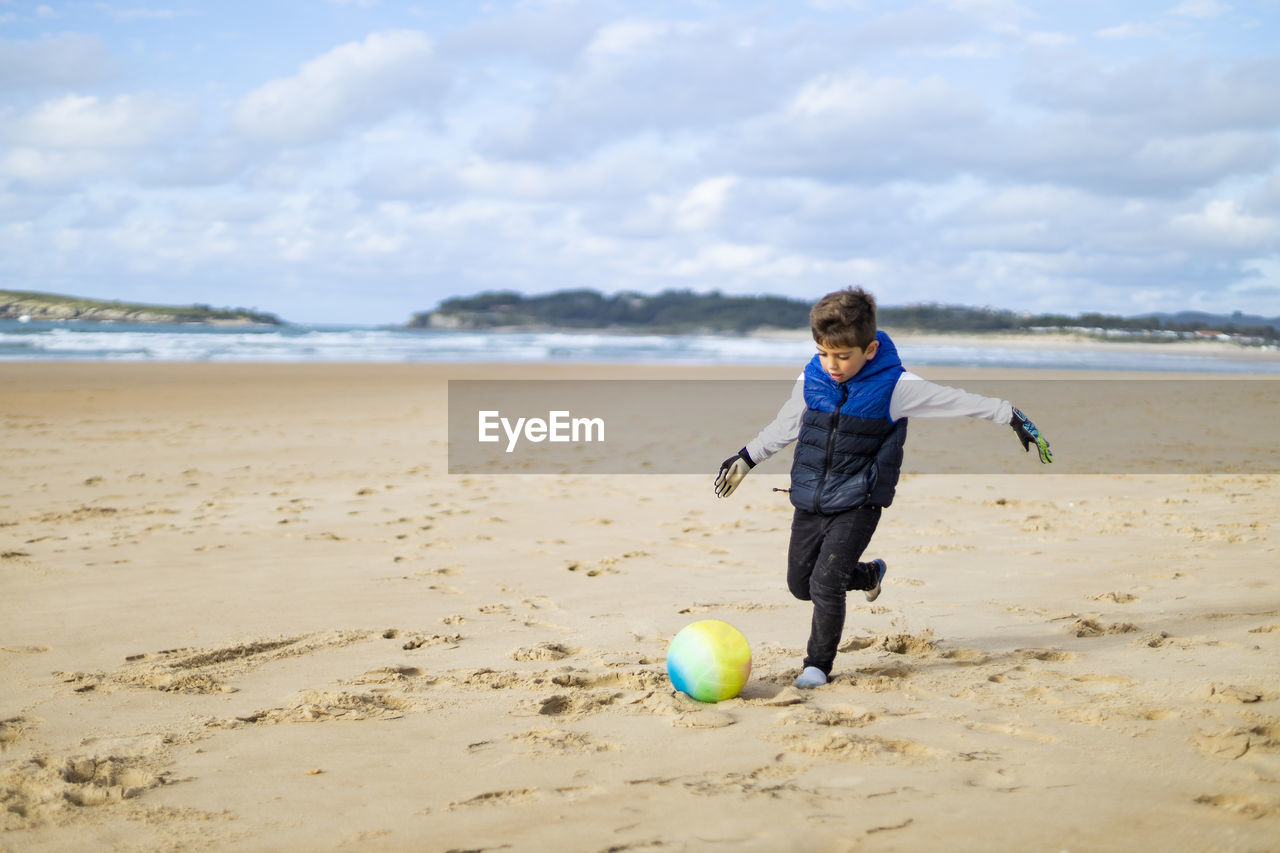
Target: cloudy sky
x: 359, y: 160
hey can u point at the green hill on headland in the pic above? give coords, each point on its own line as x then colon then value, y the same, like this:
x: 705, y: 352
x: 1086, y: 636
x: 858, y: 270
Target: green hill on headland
x: 669, y: 311
x: 15, y: 304
x: 717, y: 313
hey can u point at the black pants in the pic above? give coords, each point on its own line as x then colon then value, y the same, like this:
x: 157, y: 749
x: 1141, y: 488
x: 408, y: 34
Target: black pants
x: 822, y: 566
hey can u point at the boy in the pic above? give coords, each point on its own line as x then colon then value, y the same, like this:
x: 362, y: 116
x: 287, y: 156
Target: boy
x: 848, y: 412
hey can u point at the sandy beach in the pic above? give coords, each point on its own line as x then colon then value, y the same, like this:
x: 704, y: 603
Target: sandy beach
x: 246, y: 608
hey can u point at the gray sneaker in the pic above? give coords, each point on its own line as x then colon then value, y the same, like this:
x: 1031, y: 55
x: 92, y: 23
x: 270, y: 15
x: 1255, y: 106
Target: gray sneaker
x: 811, y: 677
x: 881, y: 568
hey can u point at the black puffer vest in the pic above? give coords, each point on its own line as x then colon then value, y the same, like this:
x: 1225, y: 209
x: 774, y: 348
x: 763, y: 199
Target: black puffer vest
x: 849, y: 452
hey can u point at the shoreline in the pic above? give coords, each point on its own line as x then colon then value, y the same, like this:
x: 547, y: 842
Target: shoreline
x: 1063, y: 341
x: 307, y: 343
x: 1014, y: 340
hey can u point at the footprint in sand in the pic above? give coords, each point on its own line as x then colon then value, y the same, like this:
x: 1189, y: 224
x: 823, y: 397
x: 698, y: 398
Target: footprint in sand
x: 394, y: 674
x: 843, y: 716
x: 1263, y: 737
x: 1230, y: 744
x: 856, y: 644
x: 1252, y: 806
x: 46, y: 789
x: 1117, y: 597
x: 422, y: 640
x: 560, y: 742
x: 1051, y: 655
x: 322, y: 705
x: 1155, y: 641
x: 1094, y: 628
x: 845, y: 746
x: 572, y: 706
x: 1231, y: 693
x: 205, y: 670
x: 605, y: 568
x: 544, y: 651
x: 909, y: 644
x: 704, y: 720
x: 11, y: 730
x: 566, y: 677
x: 96, y: 780
x: 739, y: 605
x: 498, y: 798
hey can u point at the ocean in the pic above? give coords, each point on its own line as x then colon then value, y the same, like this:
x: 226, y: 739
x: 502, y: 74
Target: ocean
x: 84, y: 341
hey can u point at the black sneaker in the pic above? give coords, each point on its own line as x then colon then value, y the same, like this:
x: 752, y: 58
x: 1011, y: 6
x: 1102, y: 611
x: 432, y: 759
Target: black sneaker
x: 881, y: 568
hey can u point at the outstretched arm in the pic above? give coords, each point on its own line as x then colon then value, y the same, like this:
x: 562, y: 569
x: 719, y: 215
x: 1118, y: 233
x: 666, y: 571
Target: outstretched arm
x: 914, y: 397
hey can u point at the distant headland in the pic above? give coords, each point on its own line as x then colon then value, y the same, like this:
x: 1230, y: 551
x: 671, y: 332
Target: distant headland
x: 19, y: 304
x: 683, y: 311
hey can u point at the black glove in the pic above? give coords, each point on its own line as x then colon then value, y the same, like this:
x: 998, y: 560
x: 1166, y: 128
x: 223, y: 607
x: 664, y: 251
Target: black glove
x: 732, y: 470
x: 1028, y: 435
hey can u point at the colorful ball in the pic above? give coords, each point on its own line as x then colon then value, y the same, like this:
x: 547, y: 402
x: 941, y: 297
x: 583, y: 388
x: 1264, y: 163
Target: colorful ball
x: 710, y: 660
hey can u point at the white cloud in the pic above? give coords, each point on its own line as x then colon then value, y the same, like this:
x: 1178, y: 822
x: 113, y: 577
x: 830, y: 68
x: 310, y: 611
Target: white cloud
x: 1221, y: 224
x: 68, y: 60
x: 371, y: 240
x: 48, y: 168
x: 91, y: 122
x: 553, y: 35
x: 720, y: 258
x: 703, y: 205
x: 1109, y: 158
x: 142, y: 13
x: 1200, y: 9
x: 355, y: 83
x: 1157, y: 95
x: 621, y: 38
x: 689, y: 77
x: 1205, y: 159
x: 876, y: 105
x: 917, y: 27
x: 1132, y: 30
x: 1049, y: 39
x: 994, y: 10
x: 852, y: 125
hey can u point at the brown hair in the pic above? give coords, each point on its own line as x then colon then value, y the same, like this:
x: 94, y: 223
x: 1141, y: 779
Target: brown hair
x: 845, y: 318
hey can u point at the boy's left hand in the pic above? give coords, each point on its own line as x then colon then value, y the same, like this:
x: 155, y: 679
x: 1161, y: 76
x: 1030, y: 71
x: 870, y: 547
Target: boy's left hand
x: 1028, y: 434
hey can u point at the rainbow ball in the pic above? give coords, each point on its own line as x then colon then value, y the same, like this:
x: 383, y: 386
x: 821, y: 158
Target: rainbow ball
x: 710, y: 660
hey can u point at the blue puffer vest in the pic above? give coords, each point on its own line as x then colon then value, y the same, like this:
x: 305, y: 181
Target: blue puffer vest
x: 849, y: 453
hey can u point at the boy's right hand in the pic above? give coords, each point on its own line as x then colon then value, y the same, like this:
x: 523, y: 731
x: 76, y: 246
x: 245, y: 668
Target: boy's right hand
x: 732, y: 471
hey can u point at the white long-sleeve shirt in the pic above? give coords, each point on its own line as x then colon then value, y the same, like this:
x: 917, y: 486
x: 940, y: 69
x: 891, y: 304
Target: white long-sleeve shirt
x: 913, y: 397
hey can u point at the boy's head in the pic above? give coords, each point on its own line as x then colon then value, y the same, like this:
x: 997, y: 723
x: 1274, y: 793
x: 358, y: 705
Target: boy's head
x: 844, y: 328
x: 845, y: 319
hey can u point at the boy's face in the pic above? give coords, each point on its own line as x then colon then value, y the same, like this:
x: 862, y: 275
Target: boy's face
x: 842, y: 363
